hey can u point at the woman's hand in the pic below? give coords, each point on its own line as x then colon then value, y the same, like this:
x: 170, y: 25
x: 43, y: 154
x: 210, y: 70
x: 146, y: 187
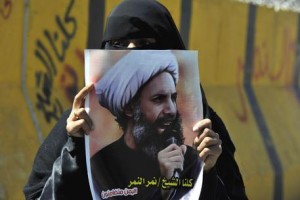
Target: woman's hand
x: 207, y: 144
x: 79, y: 122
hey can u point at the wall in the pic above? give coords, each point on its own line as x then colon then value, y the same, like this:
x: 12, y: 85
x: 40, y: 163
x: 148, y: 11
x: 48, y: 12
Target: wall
x: 249, y: 67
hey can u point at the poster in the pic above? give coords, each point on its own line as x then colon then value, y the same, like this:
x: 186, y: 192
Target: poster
x: 143, y: 108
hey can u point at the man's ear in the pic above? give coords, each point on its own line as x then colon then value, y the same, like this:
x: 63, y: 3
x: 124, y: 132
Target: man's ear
x: 128, y: 111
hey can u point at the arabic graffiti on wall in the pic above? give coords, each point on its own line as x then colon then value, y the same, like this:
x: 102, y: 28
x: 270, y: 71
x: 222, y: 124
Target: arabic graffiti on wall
x: 59, y: 41
x: 264, y: 70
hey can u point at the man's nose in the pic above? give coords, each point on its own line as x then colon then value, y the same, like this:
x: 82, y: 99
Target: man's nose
x: 170, y: 107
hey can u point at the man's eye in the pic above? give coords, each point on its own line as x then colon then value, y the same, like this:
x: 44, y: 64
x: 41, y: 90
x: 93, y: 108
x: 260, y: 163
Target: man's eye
x: 158, y: 99
x: 174, y: 97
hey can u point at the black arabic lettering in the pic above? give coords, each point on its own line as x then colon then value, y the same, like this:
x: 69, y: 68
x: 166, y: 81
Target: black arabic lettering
x: 67, y: 20
x: 51, y: 111
x: 59, y: 41
x: 53, y: 38
x: 49, y: 64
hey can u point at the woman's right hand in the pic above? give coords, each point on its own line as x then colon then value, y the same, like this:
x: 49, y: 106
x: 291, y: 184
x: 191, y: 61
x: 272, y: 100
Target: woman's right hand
x: 79, y: 122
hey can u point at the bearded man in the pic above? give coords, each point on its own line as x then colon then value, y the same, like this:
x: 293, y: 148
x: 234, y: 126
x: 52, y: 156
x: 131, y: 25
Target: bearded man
x: 142, y: 96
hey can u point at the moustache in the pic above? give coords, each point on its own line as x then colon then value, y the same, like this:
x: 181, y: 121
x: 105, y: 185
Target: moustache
x: 165, y: 120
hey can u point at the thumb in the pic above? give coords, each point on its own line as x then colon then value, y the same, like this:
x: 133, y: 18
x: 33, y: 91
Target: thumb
x: 183, y: 149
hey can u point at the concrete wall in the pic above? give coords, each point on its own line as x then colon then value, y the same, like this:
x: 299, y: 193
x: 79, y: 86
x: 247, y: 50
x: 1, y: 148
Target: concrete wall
x: 249, y: 66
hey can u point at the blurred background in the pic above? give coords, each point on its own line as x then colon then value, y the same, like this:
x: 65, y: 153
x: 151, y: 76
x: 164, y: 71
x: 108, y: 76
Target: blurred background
x: 249, y: 60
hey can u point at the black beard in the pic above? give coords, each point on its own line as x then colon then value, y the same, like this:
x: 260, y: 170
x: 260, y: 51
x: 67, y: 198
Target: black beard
x: 149, y: 140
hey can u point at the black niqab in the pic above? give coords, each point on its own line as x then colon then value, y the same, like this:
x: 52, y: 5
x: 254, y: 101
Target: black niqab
x: 135, y: 19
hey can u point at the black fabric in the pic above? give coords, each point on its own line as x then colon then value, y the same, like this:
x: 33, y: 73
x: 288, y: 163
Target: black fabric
x: 47, y: 154
x: 59, y: 169
x: 69, y: 174
x: 116, y: 165
x: 135, y: 19
x: 230, y: 181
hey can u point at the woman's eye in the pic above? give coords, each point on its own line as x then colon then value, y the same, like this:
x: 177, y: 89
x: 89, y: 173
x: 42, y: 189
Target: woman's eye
x: 119, y: 44
x: 116, y: 43
x: 144, y: 43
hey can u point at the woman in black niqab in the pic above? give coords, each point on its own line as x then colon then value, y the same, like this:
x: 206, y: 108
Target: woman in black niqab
x: 138, y: 19
x: 59, y: 170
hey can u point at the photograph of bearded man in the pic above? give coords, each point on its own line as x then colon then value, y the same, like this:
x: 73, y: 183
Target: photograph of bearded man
x: 139, y: 90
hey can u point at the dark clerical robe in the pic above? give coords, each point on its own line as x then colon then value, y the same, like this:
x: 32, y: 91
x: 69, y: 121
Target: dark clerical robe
x: 119, y: 168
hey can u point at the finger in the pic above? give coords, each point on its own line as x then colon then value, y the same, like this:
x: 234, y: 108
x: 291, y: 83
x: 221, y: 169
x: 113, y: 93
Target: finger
x: 205, y: 153
x: 171, y: 147
x: 86, y: 128
x: 82, y: 114
x: 196, y: 142
x: 207, y: 133
x: 215, y: 150
x: 177, y: 158
x: 174, y: 153
x: 72, y: 126
x: 80, y: 96
x: 207, y: 142
x: 73, y: 116
x: 201, y: 125
x: 75, y: 127
x: 180, y: 166
x: 183, y: 149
